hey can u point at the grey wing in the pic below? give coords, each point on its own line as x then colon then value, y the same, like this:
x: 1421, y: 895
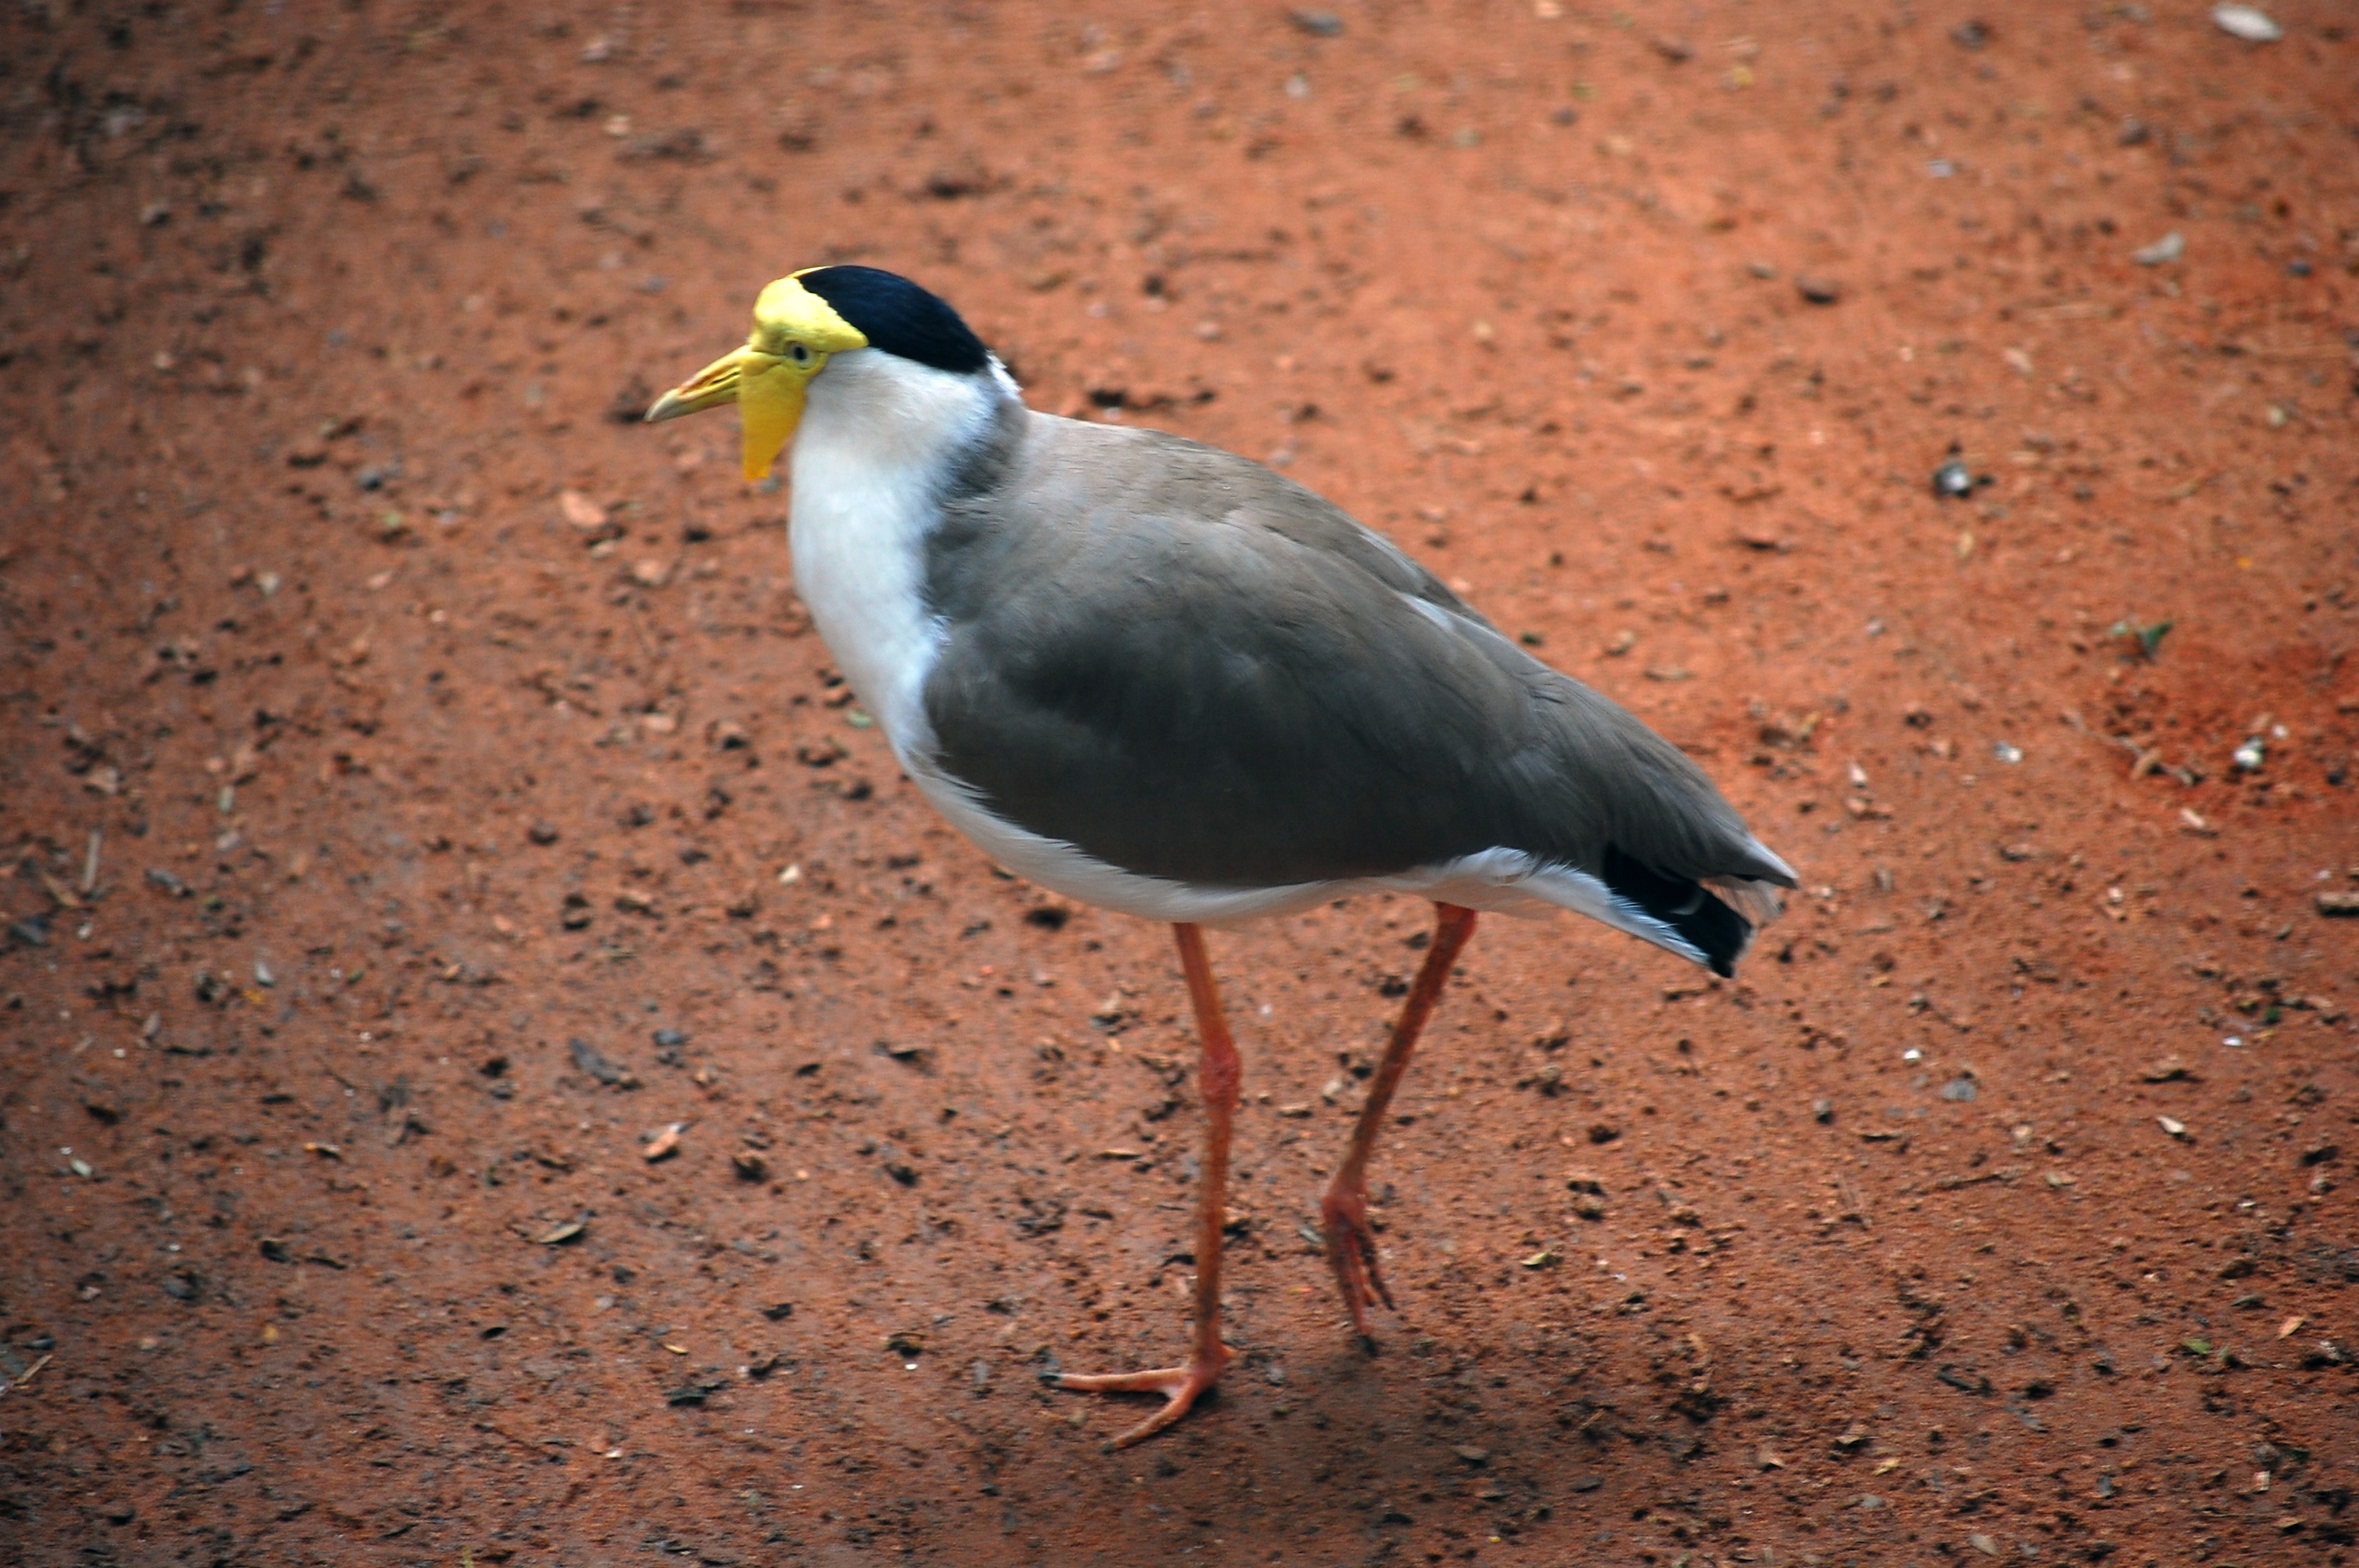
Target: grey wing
x: 1192, y: 668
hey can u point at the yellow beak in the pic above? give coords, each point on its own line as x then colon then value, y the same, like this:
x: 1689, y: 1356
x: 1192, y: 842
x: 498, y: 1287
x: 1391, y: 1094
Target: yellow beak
x: 767, y: 389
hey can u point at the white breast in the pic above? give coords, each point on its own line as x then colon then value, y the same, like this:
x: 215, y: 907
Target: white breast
x: 869, y: 460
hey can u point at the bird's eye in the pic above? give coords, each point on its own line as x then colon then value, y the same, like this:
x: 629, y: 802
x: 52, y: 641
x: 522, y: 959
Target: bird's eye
x: 799, y: 353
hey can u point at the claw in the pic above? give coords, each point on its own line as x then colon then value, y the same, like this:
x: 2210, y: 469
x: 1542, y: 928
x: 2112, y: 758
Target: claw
x: 1351, y: 1255
x: 1180, y: 1387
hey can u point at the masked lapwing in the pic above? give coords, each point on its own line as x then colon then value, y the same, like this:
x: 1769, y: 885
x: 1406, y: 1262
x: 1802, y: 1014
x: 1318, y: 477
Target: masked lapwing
x: 1163, y: 680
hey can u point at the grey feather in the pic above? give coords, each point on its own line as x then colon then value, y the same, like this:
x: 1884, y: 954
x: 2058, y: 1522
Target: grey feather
x: 1192, y: 667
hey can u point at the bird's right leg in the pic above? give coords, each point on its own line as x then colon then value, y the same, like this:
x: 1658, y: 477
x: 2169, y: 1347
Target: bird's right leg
x: 1343, y: 1213
x: 1216, y: 1075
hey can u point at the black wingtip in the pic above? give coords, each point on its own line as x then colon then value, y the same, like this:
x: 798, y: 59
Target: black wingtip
x: 1717, y: 933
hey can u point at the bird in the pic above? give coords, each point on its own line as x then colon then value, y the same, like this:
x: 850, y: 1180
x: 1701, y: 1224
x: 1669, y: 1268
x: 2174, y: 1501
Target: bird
x: 1165, y: 680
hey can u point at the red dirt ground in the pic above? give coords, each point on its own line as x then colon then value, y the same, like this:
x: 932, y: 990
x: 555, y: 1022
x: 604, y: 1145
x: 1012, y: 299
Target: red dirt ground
x: 421, y: 715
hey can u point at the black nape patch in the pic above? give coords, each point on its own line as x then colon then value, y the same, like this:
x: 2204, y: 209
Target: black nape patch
x: 1715, y: 930
x: 900, y: 317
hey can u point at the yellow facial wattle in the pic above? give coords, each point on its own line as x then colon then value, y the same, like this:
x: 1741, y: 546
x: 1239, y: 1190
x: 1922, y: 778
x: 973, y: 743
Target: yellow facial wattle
x: 770, y: 393
x: 795, y: 331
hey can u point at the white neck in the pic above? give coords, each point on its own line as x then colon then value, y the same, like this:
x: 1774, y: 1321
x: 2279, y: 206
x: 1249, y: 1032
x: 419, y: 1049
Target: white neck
x: 877, y: 437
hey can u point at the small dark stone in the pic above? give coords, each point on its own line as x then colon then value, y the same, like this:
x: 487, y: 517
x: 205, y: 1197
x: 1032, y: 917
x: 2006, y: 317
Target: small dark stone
x: 591, y: 1060
x: 1818, y: 290
x: 780, y: 1312
x: 1318, y: 24
x: 272, y: 1248
x: 2298, y: 267
x: 1971, y: 34
x: 180, y: 1287
x: 1823, y: 1111
x: 542, y: 833
x: 1604, y: 1132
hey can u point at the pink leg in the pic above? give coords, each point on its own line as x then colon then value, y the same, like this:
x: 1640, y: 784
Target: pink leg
x: 1217, y: 1074
x: 1343, y: 1214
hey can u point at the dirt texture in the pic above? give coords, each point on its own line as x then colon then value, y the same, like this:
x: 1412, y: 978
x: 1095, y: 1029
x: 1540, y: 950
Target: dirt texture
x: 422, y: 789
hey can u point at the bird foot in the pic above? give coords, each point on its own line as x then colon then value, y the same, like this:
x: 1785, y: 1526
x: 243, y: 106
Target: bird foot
x: 1352, y: 1253
x: 1178, y: 1385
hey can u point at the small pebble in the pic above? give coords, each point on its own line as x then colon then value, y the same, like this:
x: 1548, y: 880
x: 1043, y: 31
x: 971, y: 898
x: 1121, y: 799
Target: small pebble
x: 2163, y: 251
x: 1954, y: 481
x: 1818, y: 290
x: 1823, y: 1111
x: 2249, y: 23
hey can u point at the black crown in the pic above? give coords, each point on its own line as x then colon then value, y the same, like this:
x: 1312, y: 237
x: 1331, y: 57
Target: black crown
x: 899, y: 317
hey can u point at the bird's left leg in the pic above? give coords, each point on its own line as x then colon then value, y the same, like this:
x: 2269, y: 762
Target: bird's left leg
x: 1343, y: 1213
x: 1216, y: 1075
